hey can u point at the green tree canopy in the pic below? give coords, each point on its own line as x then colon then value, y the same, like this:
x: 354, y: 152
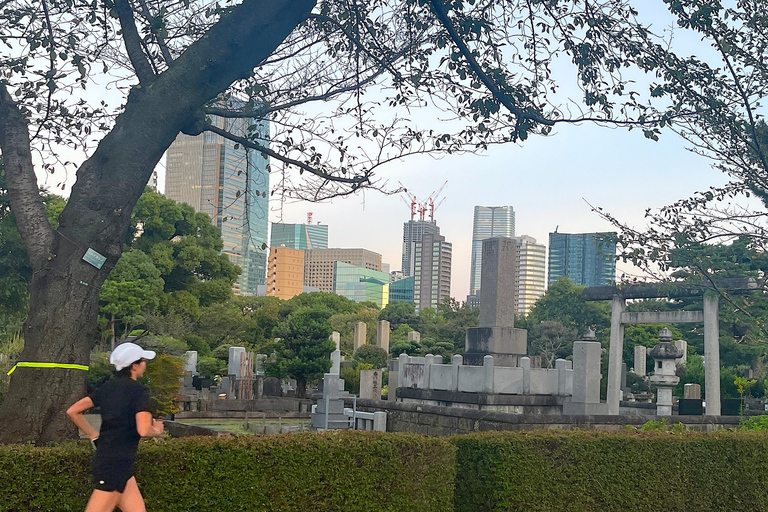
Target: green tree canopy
x: 304, y: 349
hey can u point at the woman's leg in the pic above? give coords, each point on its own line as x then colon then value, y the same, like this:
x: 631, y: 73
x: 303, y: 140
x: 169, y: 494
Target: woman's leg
x: 131, y: 499
x: 102, y: 501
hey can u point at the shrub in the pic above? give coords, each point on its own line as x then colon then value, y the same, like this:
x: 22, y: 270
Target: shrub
x: 588, y: 471
x: 349, y: 471
x: 758, y: 423
x: 163, y: 345
x: 163, y: 378
x: 370, y: 354
x: 198, y: 343
x: 210, y: 366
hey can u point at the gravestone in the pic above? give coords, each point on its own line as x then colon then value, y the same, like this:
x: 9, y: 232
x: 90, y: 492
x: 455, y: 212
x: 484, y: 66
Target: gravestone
x: 329, y: 412
x: 233, y: 365
x: 335, y: 362
x: 336, y: 338
x: 273, y: 387
x: 691, y: 390
x: 414, y: 336
x: 682, y: 347
x: 260, y: 360
x: 370, y: 384
x: 496, y: 334
x: 382, y: 335
x: 586, y: 378
x: 641, y: 356
x: 360, y: 333
x: 190, y: 361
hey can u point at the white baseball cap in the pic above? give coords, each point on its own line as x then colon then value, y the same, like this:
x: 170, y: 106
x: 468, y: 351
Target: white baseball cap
x: 128, y: 353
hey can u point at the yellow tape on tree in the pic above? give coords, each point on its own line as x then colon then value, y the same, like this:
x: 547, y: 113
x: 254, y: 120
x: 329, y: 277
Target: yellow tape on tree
x: 49, y: 365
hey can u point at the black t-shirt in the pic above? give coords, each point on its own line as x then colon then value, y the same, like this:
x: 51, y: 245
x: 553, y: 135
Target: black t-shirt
x: 119, y: 400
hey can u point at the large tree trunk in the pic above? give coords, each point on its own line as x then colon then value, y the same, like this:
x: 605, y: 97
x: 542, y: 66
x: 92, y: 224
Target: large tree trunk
x: 61, y: 326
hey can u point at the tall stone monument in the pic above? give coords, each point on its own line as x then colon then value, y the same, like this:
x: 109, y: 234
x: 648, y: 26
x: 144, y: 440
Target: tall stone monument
x: 496, y: 335
x: 382, y: 335
x: 360, y: 336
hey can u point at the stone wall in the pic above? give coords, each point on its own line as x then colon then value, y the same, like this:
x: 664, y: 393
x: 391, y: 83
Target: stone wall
x: 281, y: 404
x: 440, y: 421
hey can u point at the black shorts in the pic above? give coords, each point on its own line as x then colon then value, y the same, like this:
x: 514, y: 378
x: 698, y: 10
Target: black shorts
x: 111, y: 474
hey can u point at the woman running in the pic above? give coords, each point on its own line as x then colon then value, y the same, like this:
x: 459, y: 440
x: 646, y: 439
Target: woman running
x: 125, y: 418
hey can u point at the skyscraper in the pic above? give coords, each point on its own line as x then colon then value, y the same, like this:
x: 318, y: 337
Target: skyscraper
x: 299, y: 236
x: 587, y: 259
x: 231, y: 184
x: 490, y: 222
x: 531, y: 273
x: 413, y: 230
x: 432, y: 271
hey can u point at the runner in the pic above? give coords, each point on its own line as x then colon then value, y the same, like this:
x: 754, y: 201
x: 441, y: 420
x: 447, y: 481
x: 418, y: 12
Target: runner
x: 125, y: 418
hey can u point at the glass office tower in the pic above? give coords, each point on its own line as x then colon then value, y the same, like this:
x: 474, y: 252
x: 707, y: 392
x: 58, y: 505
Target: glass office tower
x: 490, y: 222
x: 361, y: 284
x: 587, y: 259
x: 299, y: 236
x: 231, y: 184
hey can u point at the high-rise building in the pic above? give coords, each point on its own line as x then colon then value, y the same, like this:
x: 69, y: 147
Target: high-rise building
x: 361, y: 284
x: 432, y: 271
x: 319, y: 264
x: 531, y: 273
x: 285, y: 272
x: 231, y: 184
x: 587, y: 259
x: 489, y: 222
x: 413, y: 230
x: 299, y: 236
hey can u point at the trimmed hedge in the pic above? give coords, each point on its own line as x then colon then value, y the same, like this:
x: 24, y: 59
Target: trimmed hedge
x: 365, y: 471
x: 589, y: 471
x: 335, y: 471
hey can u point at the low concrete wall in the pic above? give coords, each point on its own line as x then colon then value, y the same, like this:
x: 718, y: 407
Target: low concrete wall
x: 252, y: 415
x: 512, y: 404
x: 439, y: 421
x: 276, y: 404
x: 176, y: 429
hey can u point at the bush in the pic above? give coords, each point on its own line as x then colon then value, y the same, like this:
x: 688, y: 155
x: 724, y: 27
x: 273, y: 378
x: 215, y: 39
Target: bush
x: 210, y: 367
x: 349, y: 471
x: 370, y: 354
x: 198, y: 343
x: 163, y: 378
x: 588, y: 471
x: 757, y: 423
x: 163, y: 345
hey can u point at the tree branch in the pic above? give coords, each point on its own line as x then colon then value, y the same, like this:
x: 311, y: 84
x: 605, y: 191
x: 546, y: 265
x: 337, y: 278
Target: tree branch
x: 355, y: 182
x: 26, y: 204
x: 160, y: 41
x: 439, y: 8
x: 132, y: 41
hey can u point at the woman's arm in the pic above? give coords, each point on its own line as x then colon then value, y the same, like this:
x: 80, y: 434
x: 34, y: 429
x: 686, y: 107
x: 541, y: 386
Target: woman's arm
x: 147, y: 426
x: 75, y: 413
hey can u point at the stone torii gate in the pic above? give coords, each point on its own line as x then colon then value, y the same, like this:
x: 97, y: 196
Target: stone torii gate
x: 618, y: 295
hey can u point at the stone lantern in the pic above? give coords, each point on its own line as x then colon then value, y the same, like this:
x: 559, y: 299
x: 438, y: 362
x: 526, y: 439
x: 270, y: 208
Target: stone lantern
x: 664, y: 355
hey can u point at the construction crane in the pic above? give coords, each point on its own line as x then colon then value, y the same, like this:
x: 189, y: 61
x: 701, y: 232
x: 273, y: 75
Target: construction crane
x: 425, y: 206
x: 412, y: 202
x: 432, y: 198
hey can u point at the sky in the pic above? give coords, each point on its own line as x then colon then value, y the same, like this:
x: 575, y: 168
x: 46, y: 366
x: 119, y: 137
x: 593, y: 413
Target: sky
x: 547, y: 180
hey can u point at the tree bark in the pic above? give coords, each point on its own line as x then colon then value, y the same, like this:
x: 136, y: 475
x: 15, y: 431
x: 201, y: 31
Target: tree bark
x: 64, y: 293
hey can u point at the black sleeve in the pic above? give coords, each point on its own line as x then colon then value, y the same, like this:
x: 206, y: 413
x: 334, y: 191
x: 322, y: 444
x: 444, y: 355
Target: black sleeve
x: 95, y: 397
x: 141, y: 401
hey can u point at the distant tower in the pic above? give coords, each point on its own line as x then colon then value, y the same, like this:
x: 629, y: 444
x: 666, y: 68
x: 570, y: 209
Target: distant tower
x: 490, y: 222
x: 587, y: 259
x: 530, y: 273
x: 231, y: 184
x: 413, y: 231
x: 431, y: 271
